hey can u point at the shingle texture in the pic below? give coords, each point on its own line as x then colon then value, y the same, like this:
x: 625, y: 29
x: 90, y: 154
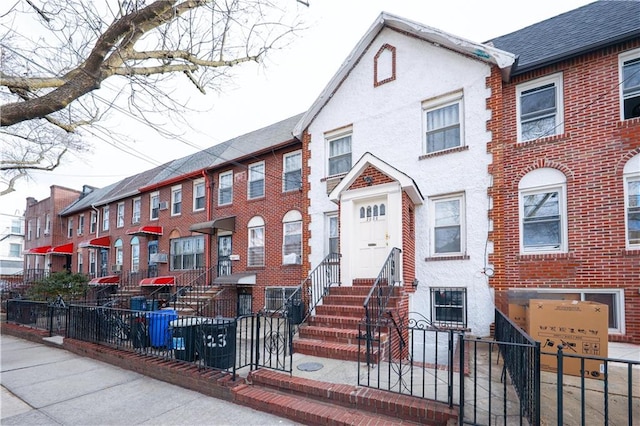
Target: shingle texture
x: 577, y: 31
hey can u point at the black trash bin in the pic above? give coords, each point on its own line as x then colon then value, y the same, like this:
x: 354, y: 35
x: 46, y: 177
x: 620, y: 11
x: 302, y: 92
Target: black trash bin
x: 138, y: 303
x: 217, y: 342
x: 183, y: 332
x: 296, y: 311
x: 139, y: 331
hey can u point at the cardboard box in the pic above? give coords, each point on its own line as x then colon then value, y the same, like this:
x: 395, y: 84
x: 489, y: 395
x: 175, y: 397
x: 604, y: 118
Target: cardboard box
x: 518, y: 314
x: 581, y: 327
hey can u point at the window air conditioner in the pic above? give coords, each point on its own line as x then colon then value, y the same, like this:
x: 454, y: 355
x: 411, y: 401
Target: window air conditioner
x: 116, y: 268
x: 164, y: 205
x: 290, y: 259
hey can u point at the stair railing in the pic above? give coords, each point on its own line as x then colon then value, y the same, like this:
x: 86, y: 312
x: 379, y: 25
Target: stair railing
x: 303, y: 301
x: 376, y: 302
x: 190, y: 286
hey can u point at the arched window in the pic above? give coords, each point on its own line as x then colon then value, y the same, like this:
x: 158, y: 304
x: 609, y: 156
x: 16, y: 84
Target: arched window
x: 292, y: 238
x: 255, y: 255
x: 135, y: 254
x: 543, y: 211
x: 119, y: 253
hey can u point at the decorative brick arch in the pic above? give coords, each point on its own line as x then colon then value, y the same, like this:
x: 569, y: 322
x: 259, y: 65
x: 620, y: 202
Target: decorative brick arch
x: 625, y: 159
x: 379, y: 79
x: 544, y: 163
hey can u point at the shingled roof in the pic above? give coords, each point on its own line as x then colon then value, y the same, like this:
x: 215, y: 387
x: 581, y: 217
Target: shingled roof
x: 590, y: 27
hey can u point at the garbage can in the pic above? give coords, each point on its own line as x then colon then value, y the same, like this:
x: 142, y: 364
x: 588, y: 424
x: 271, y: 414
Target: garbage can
x: 296, y: 311
x: 183, y: 332
x: 217, y: 342
x: 152, y: 305
x: 159, y: 335
x: 138, y: 303
x: 139, y: 331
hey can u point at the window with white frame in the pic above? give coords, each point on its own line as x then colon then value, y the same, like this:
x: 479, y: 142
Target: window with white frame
x: 255, y: 254
x: 292, y: 238
x: 120, y: 215
x: 443, y: 123
x: 198, y: 195
x: 331, y: 231
x: 225, y: 188
x: 47, y: 224
x: 447, y: 225
x: 93, y: 222
x: 292, y: 171
x: 38, y: 227
x: 135, y: 254
x: 613, y: 298
x: 187, y: 253
x: 256, y: 180
x: 274, y: 297
x: 136, y: 203
x: 632, y: 201
x: 29, y: 230
x: 80, y: 262
x: 176, y: 200
x: 630, y: 84
x: 540, y: 108
x: 543, y: 214
x: 81, y: 224
x: 15, y: 249
x: 449, y: 306
x: 70, y: 227
x: 339, y: 158
x: 119, y: 252
x: 154, y: 205
x: 92, y: 262
x: 105, y: 218
x: 16, y: 227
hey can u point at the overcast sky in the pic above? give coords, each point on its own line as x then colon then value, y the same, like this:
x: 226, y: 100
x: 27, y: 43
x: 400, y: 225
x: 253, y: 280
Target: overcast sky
x: 288, y: 83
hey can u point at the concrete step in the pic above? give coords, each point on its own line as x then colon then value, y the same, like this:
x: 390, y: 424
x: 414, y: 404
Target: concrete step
x: 366, y: 402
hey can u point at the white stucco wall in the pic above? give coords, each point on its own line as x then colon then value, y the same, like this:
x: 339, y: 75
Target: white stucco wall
x: 387, y: 121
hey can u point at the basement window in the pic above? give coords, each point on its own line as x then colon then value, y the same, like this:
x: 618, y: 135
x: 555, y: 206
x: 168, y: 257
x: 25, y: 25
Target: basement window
x: 449, y: 307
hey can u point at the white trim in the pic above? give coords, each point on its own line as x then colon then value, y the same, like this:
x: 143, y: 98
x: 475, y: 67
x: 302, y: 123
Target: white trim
x: 439, y: 103
x: 556, y: 80
x: 460, y: 197
x: 175, y: 190
x: 195, y: 194
x: 631, y: 174
x: 624, y: 57
x: 220, y: 176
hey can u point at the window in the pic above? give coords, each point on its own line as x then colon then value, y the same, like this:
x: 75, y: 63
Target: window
x: 332, y: 244
x: 119, y: 253
x: 93, y: 222
x: 449, y: 306
x: 292, y: 238
x: 135, y: 254
x: 92, y: 262
x: 630, y: 84
x: 154, y: 205
x: 274, y: 297
x: 292, y: 171
x: 443, y: 129
x: 14, y: 250
x: 29, y: 230
x: 540, y: 108
x: 16, y: 227
x: 47, y: 224
x: 120, y: 214
x: 255, y: 255
x: 105, y: 218
x: 135, y: 210
x: 256, y: 180
x: 176, y: 200
x: 447, y: 222
x: 80, y: 262
x: 632, y: 202
x: 543, y: 226
x: 187, y: 253
x: 37, y: 227
x: 70, y: 227
x: 198, y: 195
x: 80, y: 224
x: 225, y: 188
x: 339, y: 155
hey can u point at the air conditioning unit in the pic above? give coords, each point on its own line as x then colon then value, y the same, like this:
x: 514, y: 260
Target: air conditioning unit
x: 116, y: 268
x: 158, y: 258
x: 290, y: 259
x: 164, y: 205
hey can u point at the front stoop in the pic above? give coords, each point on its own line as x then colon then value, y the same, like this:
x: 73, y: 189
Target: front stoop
x: 334, y: 329
x: 320, y: 403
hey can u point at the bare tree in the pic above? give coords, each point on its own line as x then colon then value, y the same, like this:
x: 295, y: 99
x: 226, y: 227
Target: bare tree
x: 53, y: 70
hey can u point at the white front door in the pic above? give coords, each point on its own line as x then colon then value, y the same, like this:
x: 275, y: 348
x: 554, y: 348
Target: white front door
x: 372, y: 237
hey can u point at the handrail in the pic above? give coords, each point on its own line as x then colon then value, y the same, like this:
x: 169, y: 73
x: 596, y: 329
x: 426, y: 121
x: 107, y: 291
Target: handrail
x: 312, y: 289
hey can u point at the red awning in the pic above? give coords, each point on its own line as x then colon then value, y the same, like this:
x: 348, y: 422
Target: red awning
x: 168, y: 280
x: 63, y: 249
x: 145, y: 230
x: 38, y: 250
x: 106, y: 280
x: 100, y: 242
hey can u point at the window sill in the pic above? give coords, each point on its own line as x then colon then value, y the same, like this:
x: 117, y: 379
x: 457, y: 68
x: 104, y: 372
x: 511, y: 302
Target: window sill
x: 545, y: 256
x: 544, y: 140
x: 629, y: 122
x: 338, y: 176
x: 444, y: 152
x: 439, y: 258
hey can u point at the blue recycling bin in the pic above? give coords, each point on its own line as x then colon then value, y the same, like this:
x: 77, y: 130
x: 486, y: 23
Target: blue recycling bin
x: 159, y: 332
x: 138, y: 303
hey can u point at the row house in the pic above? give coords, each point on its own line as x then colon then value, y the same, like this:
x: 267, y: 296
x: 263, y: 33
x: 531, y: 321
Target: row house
x: 499, y: 171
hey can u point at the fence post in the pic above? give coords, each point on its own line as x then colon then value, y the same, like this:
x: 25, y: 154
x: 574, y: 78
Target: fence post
x: 559, y: 385
x: 461, y: 372
x: 536, y: 387
x: 50, y: 308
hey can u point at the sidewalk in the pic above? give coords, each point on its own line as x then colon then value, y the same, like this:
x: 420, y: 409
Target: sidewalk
x: 47, y: 385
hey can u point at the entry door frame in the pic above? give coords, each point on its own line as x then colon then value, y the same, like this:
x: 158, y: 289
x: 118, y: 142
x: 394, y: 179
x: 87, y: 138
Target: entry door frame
x: 349, y: 202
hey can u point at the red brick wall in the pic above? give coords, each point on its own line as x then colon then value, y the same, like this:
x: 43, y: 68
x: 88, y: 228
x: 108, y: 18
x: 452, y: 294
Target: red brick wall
x: 591, y: 153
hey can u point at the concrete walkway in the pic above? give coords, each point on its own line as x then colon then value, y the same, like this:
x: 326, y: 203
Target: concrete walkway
x: 43, y: 385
